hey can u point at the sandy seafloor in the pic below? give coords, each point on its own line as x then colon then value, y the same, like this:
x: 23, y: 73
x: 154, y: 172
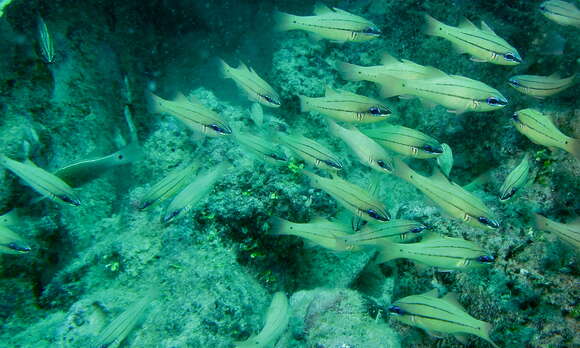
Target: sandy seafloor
x: 216, y: 268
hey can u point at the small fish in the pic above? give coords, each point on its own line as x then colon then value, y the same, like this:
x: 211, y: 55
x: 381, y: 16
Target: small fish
x: 81, y: 172
x: 332, y: 24
x: 366, y: 150
x: 194, y: 192
x: 377, y: 235
x: 451, y: 197
x: 257, y: 114
x: 319, y: 231
x: 262, y: 148
x: 45, y: 42
x: 445, y: 160
x: 346, y: 106
x: 192, y: 113
x: 43, y: 182
x: 439, y: 316
x: 483, y: 45
x: 516, y: 180
x: 439, y: 251
x: 568, y: 233
x: 352, y: 197
x: 310, y: 151
x: 253, y: 85
x: 169, y: 186
x: 11, y: 243
x: 561, y: 12
x: 541, y: 86
x: 275, y: 324
x: 456, y: 93
x: 10, y: 218
x: 540, y: 129
x: 391, y: 66
x: 405, y: 141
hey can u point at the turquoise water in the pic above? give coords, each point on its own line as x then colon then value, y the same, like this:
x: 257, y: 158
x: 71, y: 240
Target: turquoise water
x: 202, y: 270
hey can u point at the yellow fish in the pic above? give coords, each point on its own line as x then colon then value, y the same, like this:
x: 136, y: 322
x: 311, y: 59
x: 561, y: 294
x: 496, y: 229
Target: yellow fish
x: 376, y: 235
x: 541, y: 86
x: 483, y: 45
x: 445, y: 160
x: 561, y: 12
x: 318, y: 231
x: 192, y: 113
x: 346, y: 106
x: 405, y: 141
x: 516, y: 180
x: 262, y: 148
x: 252, y: 84
x: 310, y: 151
x: 352, y: 197
x: 11, y: 243
x: 167, y: 187
x: 568, y: 233
x: 452, y: 198
x: 540, y: 129
x: 439, y: 316
x: 42, y: 181
x: 456, y: 93
x: 332, y: 24
x: 275, y: 324
x: 45, y: 41
x: 366, y: 150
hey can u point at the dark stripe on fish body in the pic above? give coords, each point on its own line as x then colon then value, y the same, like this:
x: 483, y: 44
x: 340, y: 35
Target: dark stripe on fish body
x: 563, y: 13
x: 460, y: 198
x: 539, y: 130
x: 482, y: 38
x: 429, y: 306
x: 519, y: 80
x: 443, y: 320
x: 310, y: 147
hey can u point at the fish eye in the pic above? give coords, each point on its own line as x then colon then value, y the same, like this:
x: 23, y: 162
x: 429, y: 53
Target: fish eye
x: 396, y: 310
x: 17, y: 247
x: 372, y: 213
x: 488, y: 222
x: 493, y: 101
x: 378, y: 111
x: 332, y: 164
x: 508, y: 195
x: 271, y: 100
x: 417, y: 229
x: 515, y: 117
x: 431, y: 149
x: 384, y: 165
x: 511, y: 57
x: 372, y: 30
x: 514, y: 83
x: 69, y: 200
x: 486, y: 259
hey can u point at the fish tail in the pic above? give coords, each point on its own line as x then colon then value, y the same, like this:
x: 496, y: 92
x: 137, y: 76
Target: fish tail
x: 334, y: 128
x: 485, y: 329
x: 432, y: 26
x: 225, y: 69
x: 388, y: 252
x: 284, y: 21
x: 540, y: 222
x: 277, y: 226
x: 402, y: 170
x: 153, y: 103
x: 574, y: 148
x: 349, y: 72
x: 392, y: 86
x: 304, y: 105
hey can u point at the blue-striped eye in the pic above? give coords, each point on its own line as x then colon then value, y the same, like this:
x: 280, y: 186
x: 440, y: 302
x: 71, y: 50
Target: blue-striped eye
x: 417, y: 229
x: 396, y: 310
x: 486, y: 259
x: 378, y: 111
x: 431, y: 149
x: 493, y: 101
x: 372, y: 213
x: 271, y: 100
x: 386, y: 166
x: 515, y: 117
x: 219, y: 129
x: 19, y: 248
x: 488, y: 222
x: 372, y: 31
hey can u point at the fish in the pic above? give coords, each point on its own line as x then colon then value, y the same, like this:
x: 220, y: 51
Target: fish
x: 255, y: 88
x: 540, y: 129
x: 439, y: 316
x: 390, y: 66
x: 262, y: 148
x: 482, y: 44
x: 346, y: 107
x: 352, y: 197
x: 275, y: 323
x: 169, y: 186
x: 11, y: 243
x: 445, y: 160
x: 42, y: 181
x: 310, y: 151
x: 377, y: 235
x: 458, y: 94
x: 10, y: 218
x: 366, y: 150
x: 192, y: 113
x: 257, y: 114
x: 405, y: 141
x: 519, y: 177
x: 452, y: 198
x: 541, y: 87
x: 79, y: 173
x: 569, y: 233
x: 319, y: 231
x: 332, y: 24
x: 45, y: 42
x: 445, y: 253
x: 561, y: 12
x: 194, y: 192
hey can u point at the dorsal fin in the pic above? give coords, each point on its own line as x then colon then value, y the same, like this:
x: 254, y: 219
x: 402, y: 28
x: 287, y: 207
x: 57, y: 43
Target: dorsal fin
x: 329, y: 91
x: 387, y: 59
x: 432, y: 293
x: 439, y: 176
x: 467, y: 24
x: 486, y: 28
x: 432, y: 72
x: 180, y: 98
x: 242, y: 66
x: 320, y: 9
x: 555, y: 75
x: 451, y: 297
x: 409, y: 62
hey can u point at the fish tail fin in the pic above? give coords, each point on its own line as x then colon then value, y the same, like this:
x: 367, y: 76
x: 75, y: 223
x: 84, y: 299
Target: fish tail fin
x: 153, y: 103
x: 349, y: 72
x: 432, y: 26
x: 392, y: 86
x: 485, y: 329
x: 402, y: 170
x: 388, y: 252
x: 225, y: 69
x: 284, y: 21
x: 540, y: 222
x: 574, y: 148
x: 131, y: 153
x: 277, y: 226
x: 304, y: 105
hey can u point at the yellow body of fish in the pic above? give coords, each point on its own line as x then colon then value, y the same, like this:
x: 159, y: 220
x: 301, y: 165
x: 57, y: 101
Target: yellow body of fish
x: 318, y: 231
x: 366, y: 150
x: 445, y: 160
x: 434, y: 250
x: 452, y: 198
x: 568, y: 233
x: 405, y: 141
x: 377, y: 235
x: 310, y: 151
x: 167, y: 187
x: 517, y: 179
x: 456, y: 93
x: 439, y: 315
x: 541, y: 86
x: 540, y: 129
x: 331, y: 24
x: 561, y: 12
x: 276, y: 322
x: 193, y: 114
x: 346, y: 106
x: 352, y: 197
x: 255, y: 88
x: 263, y: 149
x: 11, y: 243
x: 483, y: 45
x: 42, y: 181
